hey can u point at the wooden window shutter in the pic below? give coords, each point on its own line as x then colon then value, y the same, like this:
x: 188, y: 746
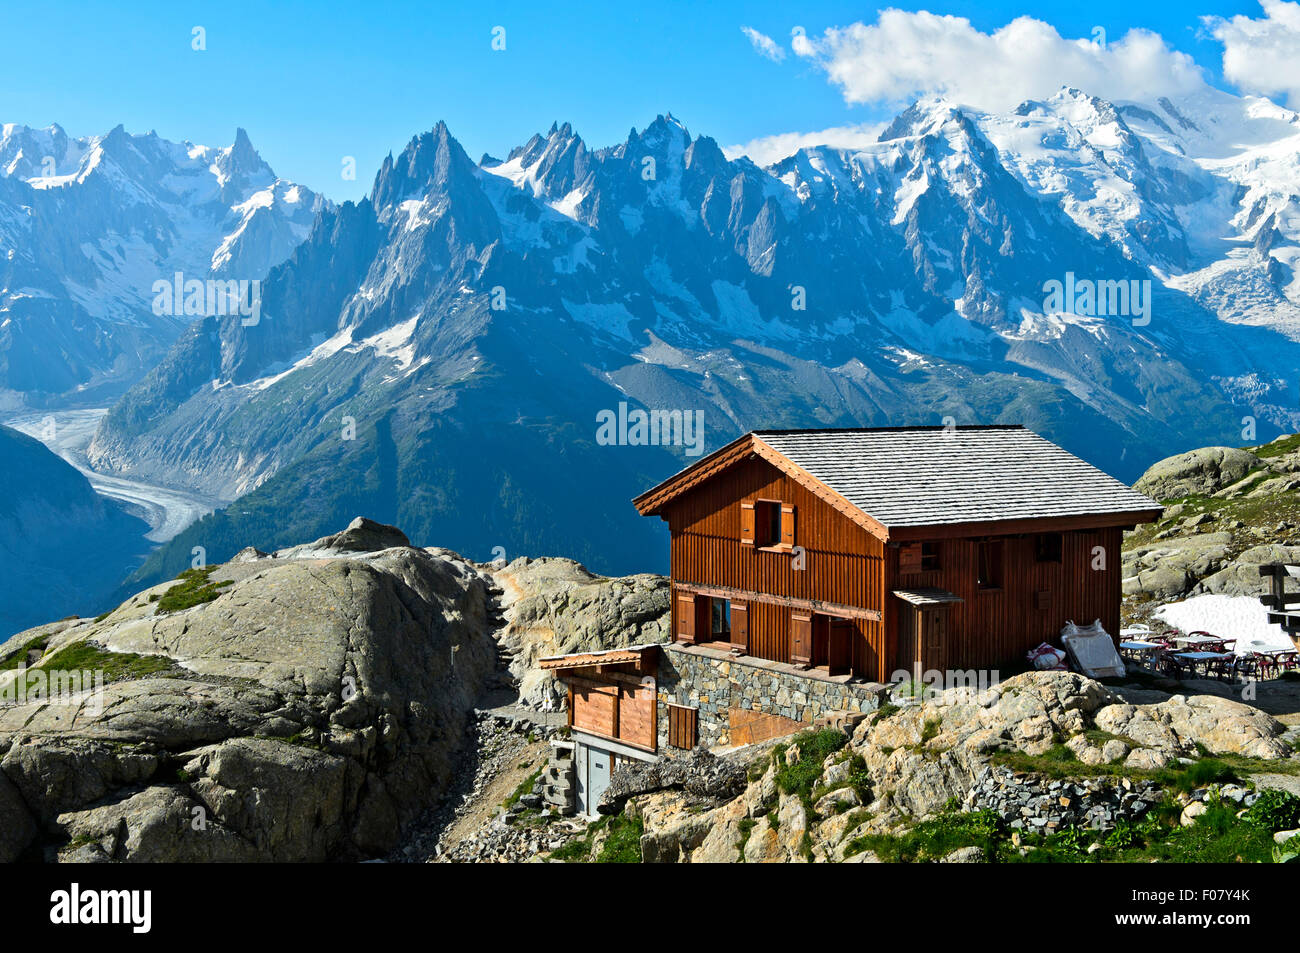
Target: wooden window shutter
x: 800, y: 638
x: 683, y: 726
x: 747, y: 522
x: 787, y: 524
x: 740, y: 626
x: 909, y: 558
x: 685, y: 617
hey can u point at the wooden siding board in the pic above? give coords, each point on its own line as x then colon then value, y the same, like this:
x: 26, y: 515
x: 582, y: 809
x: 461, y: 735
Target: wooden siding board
x: 844, y: 562
x: 996, y: 628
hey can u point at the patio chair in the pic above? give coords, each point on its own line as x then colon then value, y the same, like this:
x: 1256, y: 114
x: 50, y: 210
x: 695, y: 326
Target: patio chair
x: 1223, y: 668
x: 1174, y: 666
x: 1265, y: 664
x: 1248, y: 666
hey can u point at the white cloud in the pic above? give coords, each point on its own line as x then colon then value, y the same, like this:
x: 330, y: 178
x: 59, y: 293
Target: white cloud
x: 906, y: 55
x: 769, y: 149
x: 1262, y: 55
x: 763, y: 44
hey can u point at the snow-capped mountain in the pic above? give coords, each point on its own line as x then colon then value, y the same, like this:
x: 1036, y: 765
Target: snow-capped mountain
x: 88, y: 225
x: 469, y: 321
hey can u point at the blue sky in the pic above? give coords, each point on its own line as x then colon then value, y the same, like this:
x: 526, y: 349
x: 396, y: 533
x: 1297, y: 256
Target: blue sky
x: 313, y: 83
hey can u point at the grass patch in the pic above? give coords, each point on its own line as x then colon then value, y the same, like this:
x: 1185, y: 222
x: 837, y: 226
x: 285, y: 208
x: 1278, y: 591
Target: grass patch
x: 883, y: 712
x: 194, y: 588
x: 1059, y: 763
x: 116, y: 666
x: 800, y: 776
x: 1217, y: 837
x: 18, y: 656
x: 1099, y: 738
x: 302, y: 740
x: 622, y: 844
x: 935, y: 838
x: 525, y: 787
x: 1277, y: 448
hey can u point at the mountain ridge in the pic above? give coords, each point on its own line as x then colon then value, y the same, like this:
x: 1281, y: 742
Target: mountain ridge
x: 518, y: 298
x: 88, y: 225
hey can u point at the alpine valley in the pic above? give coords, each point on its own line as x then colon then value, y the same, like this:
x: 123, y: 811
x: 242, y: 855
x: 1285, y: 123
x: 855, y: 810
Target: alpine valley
x: 437, y: 355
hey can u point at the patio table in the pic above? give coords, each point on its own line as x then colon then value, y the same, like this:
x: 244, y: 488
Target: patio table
x: 1139, y: 648
x: 1202, y: 658
x: 1196, y: 640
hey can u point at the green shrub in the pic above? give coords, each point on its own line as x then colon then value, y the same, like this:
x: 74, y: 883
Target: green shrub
x: 814, y: 747
x: 883, y: 712
x: 1275, y: 811
x: 931, y: 729
x: 18, y: 656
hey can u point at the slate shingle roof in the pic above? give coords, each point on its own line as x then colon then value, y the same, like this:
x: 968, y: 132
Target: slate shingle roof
x: 925, y: 476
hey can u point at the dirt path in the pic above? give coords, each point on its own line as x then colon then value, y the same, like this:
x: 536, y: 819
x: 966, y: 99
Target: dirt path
x: 499, y: 776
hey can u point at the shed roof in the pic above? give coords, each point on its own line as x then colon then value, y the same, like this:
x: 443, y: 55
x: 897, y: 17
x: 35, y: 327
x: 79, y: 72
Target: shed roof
x: 928, y: 596
x: 590, y: 659
x: 900, y: 477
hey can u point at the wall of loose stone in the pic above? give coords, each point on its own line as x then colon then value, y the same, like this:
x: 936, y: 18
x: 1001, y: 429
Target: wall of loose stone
x: 718, y: 685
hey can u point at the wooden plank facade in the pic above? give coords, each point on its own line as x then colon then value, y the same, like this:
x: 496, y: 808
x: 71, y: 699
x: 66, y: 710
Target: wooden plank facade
x: 843, y: 569
x: 1036, y: 594
x: 771, y: 562
x: 615, y: 700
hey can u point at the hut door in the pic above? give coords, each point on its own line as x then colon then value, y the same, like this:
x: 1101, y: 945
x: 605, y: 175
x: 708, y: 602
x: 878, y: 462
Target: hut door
x: 933, y: 640
x: 839, y: 653
x: 593, y: 778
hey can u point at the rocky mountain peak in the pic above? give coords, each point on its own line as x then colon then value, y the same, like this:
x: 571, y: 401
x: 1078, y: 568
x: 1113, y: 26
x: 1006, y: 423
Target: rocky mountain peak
x: 431, y: 162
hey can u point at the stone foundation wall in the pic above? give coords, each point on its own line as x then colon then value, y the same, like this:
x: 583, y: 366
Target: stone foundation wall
x: 743, y: 700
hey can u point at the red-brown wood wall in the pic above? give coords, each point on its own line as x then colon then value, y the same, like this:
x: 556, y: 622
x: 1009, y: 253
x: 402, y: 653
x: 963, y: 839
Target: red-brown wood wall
x: 844, y: 562
x: 848, y: 565
x: 997, y: 628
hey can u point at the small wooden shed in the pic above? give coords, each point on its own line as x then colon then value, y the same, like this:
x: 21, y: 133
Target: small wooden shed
x: 612, y: 713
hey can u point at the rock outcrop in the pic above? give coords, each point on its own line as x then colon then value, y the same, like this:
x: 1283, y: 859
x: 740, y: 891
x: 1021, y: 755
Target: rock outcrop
x: 1196, y: 473
x: 1236, y: 510
x: 307, y: 710
x: 922, y: 759
x: 555, y: 606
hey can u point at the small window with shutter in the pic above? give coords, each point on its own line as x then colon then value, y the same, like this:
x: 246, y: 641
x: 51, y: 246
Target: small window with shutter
x: 1047, y: 547
x: 929, y: 557
x: 773, y: 523
x: 800, y: 638
x: 686, y: 612
x: 740, y: 626
x: 988, y: 564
